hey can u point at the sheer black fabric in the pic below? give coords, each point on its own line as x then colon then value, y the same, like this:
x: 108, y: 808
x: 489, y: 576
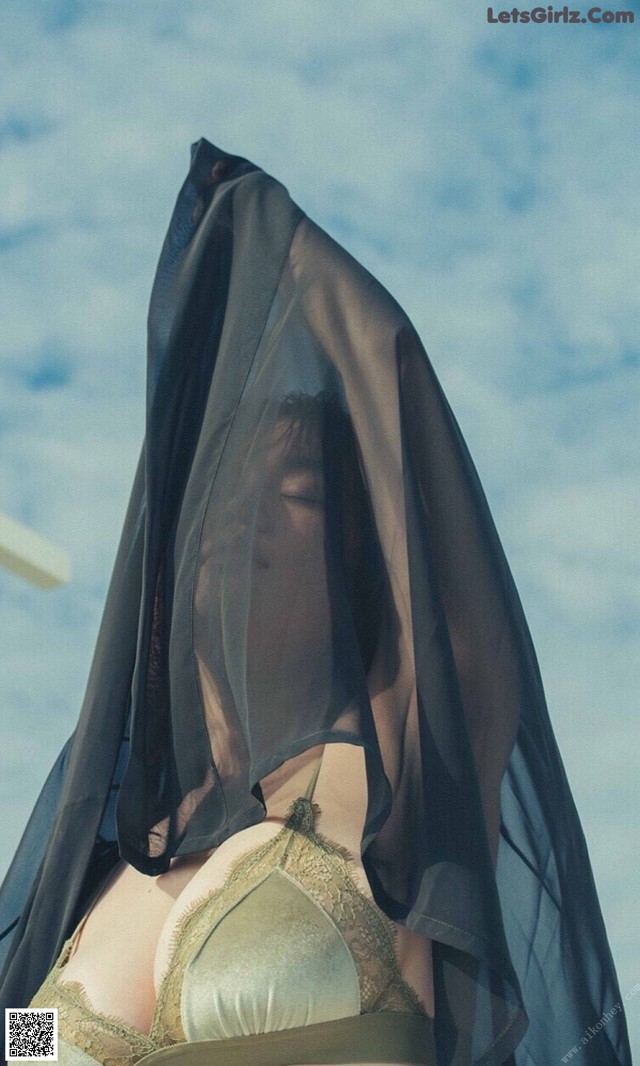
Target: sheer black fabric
x: 308, y: 557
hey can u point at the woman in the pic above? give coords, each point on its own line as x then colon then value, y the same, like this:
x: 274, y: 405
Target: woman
x: 343, y: 831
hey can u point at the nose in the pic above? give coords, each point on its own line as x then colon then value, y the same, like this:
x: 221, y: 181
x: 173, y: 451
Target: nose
x: 266, y: 516
x: 266, y: 524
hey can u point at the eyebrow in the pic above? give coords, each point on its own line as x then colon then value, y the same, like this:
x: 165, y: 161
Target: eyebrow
x: 296, y: 463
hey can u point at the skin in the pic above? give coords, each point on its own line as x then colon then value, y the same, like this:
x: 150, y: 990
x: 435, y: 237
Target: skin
x: 136, y: 915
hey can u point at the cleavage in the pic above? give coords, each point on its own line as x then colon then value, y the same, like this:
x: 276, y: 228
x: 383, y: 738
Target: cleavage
x: 114, y: 946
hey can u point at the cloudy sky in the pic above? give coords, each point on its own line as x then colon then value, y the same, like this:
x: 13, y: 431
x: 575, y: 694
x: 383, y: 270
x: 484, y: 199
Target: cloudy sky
x: 487, y: 174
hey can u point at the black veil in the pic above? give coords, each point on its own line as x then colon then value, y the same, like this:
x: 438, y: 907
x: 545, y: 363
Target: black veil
x: 308, y: 557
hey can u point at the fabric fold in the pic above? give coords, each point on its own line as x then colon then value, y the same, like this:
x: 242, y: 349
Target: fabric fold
x: 308, y: 558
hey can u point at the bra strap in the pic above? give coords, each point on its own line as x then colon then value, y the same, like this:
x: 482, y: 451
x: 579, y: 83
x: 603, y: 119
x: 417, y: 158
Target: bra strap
x: 314, y: 778
x: 301, y: 815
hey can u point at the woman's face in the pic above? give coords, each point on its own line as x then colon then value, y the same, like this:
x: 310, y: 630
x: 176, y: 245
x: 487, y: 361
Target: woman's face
x: 262, y: 604
x: 290, y: 517
x: 289, y: 611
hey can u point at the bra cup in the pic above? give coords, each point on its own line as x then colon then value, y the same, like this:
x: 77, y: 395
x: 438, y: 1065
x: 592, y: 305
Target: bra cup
x: 70, y: 1055
x: 275, y: 961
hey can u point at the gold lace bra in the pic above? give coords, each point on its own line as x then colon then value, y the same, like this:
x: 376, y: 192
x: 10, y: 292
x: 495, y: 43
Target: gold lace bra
x: 288, y: 940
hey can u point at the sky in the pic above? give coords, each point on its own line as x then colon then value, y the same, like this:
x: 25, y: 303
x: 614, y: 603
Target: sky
x: 485, y: 173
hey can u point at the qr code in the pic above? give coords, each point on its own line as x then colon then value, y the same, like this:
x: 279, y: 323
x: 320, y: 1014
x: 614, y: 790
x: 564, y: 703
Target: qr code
x: 31, y: 1034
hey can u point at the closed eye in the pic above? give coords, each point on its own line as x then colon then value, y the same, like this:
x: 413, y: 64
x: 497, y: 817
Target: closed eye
x: 309, y: 501
x: 306, y: 487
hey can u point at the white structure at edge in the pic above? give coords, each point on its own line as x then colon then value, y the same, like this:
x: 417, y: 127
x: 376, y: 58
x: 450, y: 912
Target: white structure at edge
x: 31, y: 557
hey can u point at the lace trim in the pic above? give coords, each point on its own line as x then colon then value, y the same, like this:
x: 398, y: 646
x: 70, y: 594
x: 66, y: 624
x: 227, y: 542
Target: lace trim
x: 323, y: 872
x: 102, y: 1036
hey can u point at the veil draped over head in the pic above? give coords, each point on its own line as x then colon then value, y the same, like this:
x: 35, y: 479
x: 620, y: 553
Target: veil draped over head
x: 308, y: 557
